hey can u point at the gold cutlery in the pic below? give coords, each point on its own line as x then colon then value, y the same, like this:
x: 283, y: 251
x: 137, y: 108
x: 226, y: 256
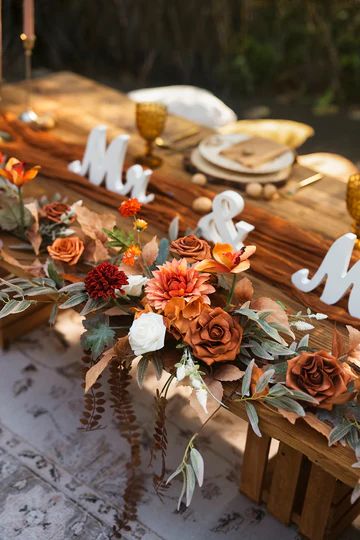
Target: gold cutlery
x: 168, y: 143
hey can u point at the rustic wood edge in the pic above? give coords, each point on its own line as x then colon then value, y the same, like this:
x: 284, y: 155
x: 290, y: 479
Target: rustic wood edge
x: 336, y: 460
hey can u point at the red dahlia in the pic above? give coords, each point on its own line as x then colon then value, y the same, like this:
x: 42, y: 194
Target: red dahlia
x: 103, y: 280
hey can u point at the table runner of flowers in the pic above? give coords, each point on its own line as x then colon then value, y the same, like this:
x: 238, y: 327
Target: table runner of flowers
x: 180, y: 305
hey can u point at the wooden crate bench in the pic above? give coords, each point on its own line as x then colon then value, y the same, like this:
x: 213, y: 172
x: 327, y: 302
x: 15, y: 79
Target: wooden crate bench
x: 307, y: 482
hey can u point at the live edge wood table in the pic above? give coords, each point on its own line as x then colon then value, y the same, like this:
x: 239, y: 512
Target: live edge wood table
x: 307, y: 482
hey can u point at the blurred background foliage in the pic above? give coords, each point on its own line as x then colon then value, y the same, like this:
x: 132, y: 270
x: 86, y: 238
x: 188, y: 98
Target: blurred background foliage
x: 297, y: 49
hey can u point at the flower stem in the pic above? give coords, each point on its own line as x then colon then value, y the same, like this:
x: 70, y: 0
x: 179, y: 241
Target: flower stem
x: 22, y: 212
x: 231, y: 292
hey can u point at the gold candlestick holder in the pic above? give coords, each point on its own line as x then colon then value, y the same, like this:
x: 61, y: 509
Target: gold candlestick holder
x: 28, y: 116
x: 353, y: 204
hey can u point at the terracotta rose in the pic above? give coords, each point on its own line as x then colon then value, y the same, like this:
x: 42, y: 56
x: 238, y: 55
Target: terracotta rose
x: 67, y: 250
x: 53, y: 211
x: 321, y: 375
x: 214, y: 336
x: 191, y: 247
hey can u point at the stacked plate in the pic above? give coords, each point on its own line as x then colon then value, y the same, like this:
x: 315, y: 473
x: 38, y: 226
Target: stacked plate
x: 208, y: 158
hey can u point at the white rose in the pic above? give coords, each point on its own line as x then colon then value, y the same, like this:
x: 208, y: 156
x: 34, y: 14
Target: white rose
x: 135, y: 285
x: 147, y: 333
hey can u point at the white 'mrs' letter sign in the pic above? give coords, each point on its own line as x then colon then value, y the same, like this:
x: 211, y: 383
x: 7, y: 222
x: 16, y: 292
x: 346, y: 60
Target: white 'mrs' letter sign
x: 103, y: 163
x: 218, y: 226
x: 339, y: 279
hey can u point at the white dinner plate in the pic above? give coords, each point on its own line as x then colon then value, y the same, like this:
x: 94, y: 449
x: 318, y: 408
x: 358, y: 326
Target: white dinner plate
x: 208, y: 168
x: 211, y: 146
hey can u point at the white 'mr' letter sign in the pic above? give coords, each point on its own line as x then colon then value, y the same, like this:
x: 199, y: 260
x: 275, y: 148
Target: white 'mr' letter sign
x: 339, y: 279
x: 103, y: 163
x: 218, y: 226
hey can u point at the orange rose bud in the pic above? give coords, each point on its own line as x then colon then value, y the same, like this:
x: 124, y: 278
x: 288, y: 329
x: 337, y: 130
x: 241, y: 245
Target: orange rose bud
x: 14, y: 171
x: 129, y: 208
x: 67, y: 250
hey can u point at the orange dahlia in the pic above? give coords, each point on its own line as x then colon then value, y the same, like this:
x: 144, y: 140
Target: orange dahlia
x: 129, y: 208
x: 176, y: 279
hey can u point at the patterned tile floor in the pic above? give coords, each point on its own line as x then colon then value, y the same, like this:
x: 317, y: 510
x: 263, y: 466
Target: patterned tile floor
x: 59, y: 483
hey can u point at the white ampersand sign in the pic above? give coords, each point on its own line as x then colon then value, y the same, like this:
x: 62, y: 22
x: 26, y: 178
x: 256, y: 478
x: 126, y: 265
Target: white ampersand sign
x: 218, y: 226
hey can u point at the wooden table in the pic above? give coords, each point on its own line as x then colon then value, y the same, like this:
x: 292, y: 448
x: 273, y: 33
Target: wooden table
x: 304, y: 465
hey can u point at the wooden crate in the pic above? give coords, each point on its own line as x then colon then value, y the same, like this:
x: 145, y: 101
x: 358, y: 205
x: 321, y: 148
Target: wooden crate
x: 20, y: 324
x: 306, y: 482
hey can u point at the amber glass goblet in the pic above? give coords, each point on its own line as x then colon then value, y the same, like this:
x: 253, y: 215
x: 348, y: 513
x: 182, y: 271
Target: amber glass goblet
x: 353, y: 204
x: 150, y: 122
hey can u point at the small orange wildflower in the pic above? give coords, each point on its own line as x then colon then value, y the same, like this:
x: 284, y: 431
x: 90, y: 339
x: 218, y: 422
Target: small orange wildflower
x: 131, y: 254
x: 129, y: 208
x: 15, y: 172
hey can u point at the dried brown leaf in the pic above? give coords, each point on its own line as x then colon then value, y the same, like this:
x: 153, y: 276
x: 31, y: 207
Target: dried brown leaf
x: 244, y: 291
x: 96, y: 370
x: 35, y: 268
x: 317, y: 424
x: 33, y: 234
x: 228, y: 373
x: 289, y: 415
x: 150, y: 251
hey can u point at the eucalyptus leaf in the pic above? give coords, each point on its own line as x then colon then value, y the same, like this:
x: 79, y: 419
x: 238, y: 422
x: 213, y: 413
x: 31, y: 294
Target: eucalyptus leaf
x: 8, y: 308
x: 74, y: 300
x: 22, y: 306
x: 163, y: 252
x: 248, y: 313
x: 197, y: 463
x: 53, y: 273
x: 246, y: 380
x: 141, y: 370
x: 175, y: 473
x: 174, y: 229
x: 190, y: 483
x: 339, y: 432
x: 260, y: 351
x: 287, y: 404
x: 304, y: 342
x: 53, y: 314
x: 158, y: 364
x: 92, y: 305
x: 39, y: 291
x: 264, y: 380
x: 73, y: 287
x: 253, y: 417
x: 183, y: 488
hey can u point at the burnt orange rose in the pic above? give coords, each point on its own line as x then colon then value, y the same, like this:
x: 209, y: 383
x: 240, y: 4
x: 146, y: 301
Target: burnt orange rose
x: 53, y: 212
x: 67, y: 250
x: 191, y: 247
x: 214, y: 336
x: 178, y: 314
x: 320, y: 375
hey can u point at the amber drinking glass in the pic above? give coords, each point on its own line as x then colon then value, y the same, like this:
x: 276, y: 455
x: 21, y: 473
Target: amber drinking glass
x: 150, y: 122
x: 353, y: 204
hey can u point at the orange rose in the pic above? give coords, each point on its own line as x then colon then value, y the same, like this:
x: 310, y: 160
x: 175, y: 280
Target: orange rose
x: 214, y: 336
x: 53, y: 212
x: 191, y: 247
x: 67, y: 250
x: 320, y: 375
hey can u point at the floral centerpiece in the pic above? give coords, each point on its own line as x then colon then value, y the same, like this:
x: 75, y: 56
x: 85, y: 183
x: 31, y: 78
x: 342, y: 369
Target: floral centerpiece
x: 185, y: 307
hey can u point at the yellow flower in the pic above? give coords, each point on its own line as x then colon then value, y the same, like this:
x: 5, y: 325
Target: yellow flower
x: 140, y: 225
